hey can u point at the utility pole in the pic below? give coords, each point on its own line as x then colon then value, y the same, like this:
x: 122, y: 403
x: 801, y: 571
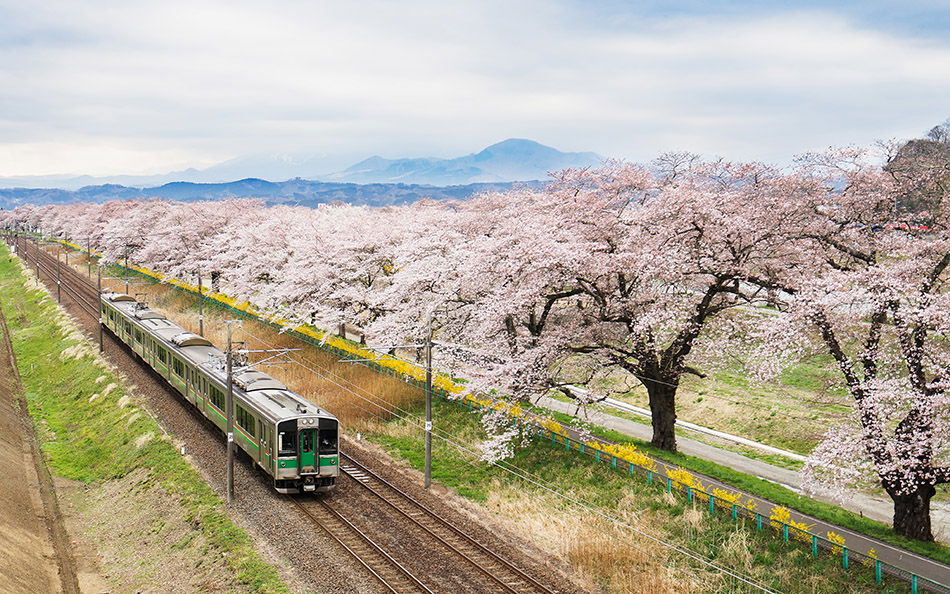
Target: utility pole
x: 201, y: 312
x: 428, y: 473
x: 99, y: 305
x: 88, y: 256
x: 230, y: 407
x: 126, y: 269
x: 58, y: 281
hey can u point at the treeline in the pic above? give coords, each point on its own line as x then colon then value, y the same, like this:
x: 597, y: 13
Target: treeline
x: 613, y: 270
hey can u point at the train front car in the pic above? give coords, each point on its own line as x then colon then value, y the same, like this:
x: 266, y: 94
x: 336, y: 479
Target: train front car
x: 308, y: 456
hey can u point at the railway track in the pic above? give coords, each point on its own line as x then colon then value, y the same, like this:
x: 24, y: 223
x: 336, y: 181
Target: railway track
x: 506, y: 576
x: 61, y: 275
x: 390, y: 573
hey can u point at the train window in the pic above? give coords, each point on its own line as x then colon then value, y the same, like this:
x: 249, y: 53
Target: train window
x: 287, y: 443
x: 217, y: 397
x: 162, y: 355
x: 179, y: 367
x: 245, y: 420
x: 138, y: 335
x: 328, y: 436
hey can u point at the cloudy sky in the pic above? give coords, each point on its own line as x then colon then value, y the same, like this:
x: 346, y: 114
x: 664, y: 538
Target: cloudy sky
x: 128, y: 86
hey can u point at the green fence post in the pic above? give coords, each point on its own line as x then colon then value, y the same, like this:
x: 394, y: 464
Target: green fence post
x: 844, y: 558
x: 613, y: 461
x: 669, y: 484
x: 785, y: 532
x: 913, y: 583
x: 735, y: 512
x: 598, y: 456
x: 877, y: 572
x: 712, y: 504
x: 758, y: 521
x: 582, y: 448
x: 567, y: 443
x: 649, y: 475
x: 814, y: 545
x: 689, y: 494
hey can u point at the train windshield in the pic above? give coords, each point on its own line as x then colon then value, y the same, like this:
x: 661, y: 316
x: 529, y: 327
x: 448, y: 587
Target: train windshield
x: 328, y: 436
x: 287, y: 443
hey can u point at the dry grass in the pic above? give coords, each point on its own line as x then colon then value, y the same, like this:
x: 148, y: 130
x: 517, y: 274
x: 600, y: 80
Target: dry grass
x: 603, y: 554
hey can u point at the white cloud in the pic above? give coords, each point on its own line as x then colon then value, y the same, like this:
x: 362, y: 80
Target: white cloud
x: 108, y: 87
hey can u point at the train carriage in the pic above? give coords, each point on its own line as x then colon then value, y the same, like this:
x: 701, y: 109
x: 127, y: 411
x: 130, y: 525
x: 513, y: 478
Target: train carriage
x: 290, y: 438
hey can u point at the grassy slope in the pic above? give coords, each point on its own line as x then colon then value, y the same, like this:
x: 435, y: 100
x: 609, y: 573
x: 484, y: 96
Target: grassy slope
x: 92, y: 433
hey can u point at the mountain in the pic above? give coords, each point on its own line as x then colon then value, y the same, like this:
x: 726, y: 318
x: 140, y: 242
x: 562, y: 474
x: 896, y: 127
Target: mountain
x: 510, y: 160
x: 515, y: 159
x: 294, y: 192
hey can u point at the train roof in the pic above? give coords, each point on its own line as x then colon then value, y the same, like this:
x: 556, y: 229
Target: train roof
x: 258, y: 388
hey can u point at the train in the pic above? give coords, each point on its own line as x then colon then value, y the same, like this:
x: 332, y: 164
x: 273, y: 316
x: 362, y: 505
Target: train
x: 295, y: 442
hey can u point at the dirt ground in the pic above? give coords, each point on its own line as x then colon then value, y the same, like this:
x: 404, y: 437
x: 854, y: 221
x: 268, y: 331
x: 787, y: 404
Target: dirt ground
x: 35, y: 556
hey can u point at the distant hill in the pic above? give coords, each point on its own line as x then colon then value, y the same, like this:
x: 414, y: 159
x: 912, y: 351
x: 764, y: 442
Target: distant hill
x: 511, y: 160
x: 295, y: 191
x: 514, y: 159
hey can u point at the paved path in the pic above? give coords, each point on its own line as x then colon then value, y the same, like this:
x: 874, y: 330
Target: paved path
x: 870, y: 507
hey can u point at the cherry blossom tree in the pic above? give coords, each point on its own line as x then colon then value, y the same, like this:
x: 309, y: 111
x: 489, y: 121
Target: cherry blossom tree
x: 869, y: 281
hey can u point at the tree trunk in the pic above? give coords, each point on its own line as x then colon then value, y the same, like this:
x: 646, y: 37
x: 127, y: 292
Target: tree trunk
x: 663, y: 410
x: 912, y: 513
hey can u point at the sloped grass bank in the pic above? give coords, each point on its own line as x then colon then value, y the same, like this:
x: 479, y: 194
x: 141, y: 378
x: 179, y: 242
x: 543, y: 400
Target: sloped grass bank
x: 620, y: 560
x: 91, y: 431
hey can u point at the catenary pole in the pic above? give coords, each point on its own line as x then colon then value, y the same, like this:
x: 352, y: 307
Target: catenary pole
x: 230, y: 412
x: 201, y: 312
x: 58, y: 278
x: 428, y: 471
x: 99, y: 304
x: 126, y: 269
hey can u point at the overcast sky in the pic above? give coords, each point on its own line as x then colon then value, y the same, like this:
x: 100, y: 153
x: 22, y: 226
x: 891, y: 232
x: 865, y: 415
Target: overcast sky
x: 106, y: 87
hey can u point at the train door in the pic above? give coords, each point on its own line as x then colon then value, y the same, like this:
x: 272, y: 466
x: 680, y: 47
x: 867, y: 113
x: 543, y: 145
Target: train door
x: 308, y: 456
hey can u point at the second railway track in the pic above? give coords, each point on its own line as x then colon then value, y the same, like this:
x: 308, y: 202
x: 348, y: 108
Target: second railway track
x: 505, y: 575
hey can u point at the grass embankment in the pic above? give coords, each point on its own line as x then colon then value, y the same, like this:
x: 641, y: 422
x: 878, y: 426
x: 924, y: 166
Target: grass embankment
x: 92, y: 431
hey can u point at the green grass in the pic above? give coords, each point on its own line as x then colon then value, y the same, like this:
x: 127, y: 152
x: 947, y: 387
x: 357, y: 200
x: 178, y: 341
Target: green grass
x: 778, y: 565
x: 97, y: 439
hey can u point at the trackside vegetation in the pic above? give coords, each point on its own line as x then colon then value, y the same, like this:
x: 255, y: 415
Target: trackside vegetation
x: 92, y: 431
x: 769, y: 561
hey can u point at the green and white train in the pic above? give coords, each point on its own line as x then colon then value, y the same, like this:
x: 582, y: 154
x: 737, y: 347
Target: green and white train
x: 290, y: 438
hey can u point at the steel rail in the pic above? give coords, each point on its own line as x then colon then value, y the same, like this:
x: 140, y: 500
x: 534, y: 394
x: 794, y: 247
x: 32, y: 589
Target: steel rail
x: 521, y: 581
x: 361, y: 547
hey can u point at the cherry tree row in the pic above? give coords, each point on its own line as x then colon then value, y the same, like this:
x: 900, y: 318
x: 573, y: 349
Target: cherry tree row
x: 639, y: 272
